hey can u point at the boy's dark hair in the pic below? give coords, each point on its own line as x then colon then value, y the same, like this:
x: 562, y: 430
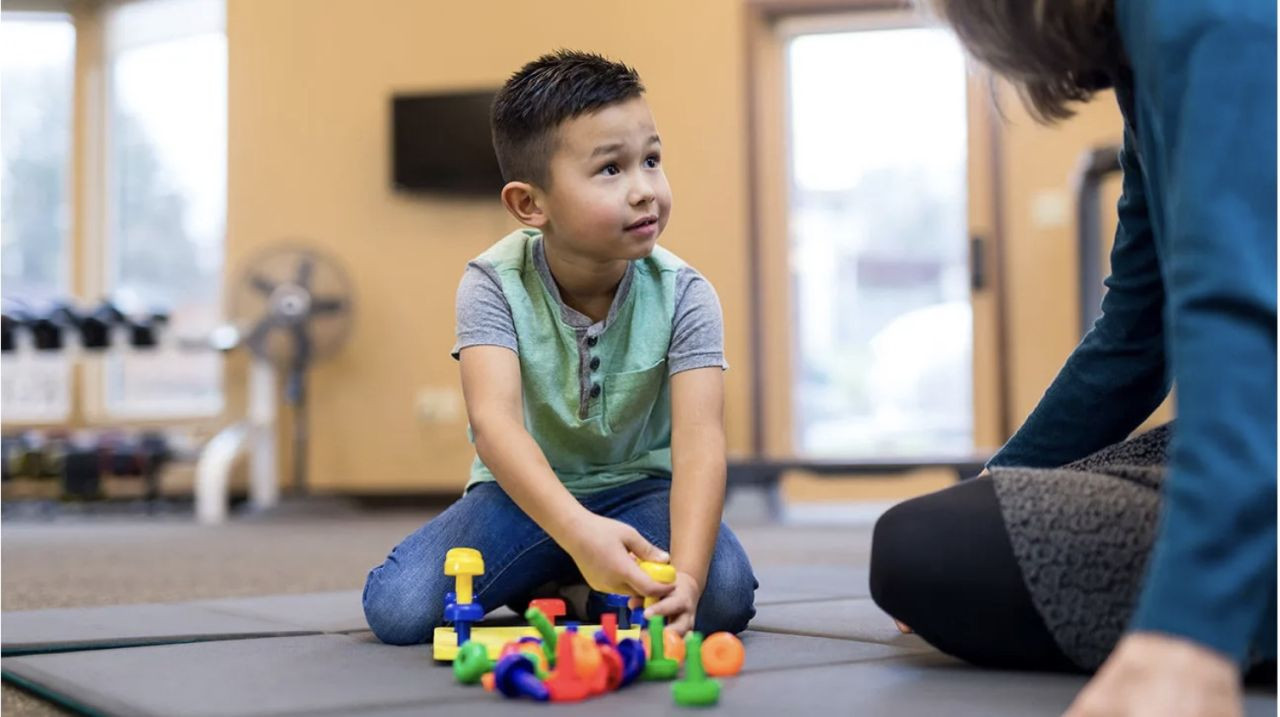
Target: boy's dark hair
x: 544, y: 93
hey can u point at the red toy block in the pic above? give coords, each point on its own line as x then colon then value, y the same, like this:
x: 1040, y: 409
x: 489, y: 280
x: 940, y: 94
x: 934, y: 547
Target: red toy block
x: 551, y: 607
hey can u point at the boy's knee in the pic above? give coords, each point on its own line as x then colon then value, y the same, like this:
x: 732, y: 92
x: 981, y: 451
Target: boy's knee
x: 398, y: 614
x: 728, y: 602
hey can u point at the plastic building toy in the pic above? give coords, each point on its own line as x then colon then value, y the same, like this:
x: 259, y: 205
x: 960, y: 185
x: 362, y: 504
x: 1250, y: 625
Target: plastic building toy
x: 722, y: 655
x: 462, y: 564
x: 672, y: 645
x: 546, y: 629
x: 531, y: 647
x: 551, y: 607
x: 545, y: 662
x: 471, y: 663
x: 661, y: 572
x: 618, y: 603
x: 614, y: 667
x: 633, y: 660
x: 696, y: 689
x: 658, y: 667
x: 515, y: 677
x: 565, y: 683
x: 609, y: 624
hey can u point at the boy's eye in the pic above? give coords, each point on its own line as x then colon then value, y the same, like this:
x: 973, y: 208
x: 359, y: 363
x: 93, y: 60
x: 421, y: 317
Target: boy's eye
x: 652, y: 161
x: 610, y: 169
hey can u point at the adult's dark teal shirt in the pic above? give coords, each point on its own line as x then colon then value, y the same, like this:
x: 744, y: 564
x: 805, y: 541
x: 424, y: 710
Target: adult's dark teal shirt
x: 1191, y: 301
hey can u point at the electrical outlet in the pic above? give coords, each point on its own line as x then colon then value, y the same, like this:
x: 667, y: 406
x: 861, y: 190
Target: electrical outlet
x: 438, y: 405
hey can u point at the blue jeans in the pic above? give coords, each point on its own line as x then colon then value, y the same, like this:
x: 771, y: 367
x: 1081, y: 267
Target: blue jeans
x: 404, y: 597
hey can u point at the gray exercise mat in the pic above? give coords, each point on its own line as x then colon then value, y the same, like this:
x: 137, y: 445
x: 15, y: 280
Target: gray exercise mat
x: 281, y: 675
x: 337, y: 674
x: 339, y: 611
x: 916, y: 686
x: 61, y: 629
x: 801, y: 583
x: 855, y: 619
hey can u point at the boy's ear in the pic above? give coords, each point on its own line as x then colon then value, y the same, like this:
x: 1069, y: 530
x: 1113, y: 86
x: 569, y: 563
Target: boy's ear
x: 524, y: 202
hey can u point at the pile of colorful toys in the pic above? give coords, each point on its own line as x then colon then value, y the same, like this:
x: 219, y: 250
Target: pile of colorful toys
x: 571, y: 663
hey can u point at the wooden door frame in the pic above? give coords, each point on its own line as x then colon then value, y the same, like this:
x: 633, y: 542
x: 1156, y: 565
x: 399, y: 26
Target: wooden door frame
x: 770, y: 297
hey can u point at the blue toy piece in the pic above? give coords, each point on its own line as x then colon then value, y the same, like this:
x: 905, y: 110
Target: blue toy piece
x: 619, y: 605
x: 462, y: 616
x: 633, y: 658
x: 515, y: 677
x: 637, y: 617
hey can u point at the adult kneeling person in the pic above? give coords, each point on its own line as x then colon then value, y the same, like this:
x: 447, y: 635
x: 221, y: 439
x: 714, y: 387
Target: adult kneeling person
x: 1152, y: 560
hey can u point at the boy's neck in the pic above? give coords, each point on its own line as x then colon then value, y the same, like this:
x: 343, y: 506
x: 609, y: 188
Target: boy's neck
x: 586, y: 285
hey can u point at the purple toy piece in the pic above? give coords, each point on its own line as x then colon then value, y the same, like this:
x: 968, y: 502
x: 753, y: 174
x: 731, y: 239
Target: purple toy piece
x: 514, y: 677
x: 633, y: 659
x: 462, y: 616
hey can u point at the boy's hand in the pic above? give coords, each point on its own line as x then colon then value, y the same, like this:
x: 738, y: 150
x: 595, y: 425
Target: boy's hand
x: 603, y: 549
x: 680, y: 605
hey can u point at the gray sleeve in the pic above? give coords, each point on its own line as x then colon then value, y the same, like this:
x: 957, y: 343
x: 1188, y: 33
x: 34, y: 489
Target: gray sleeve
x: 697, y: 334
x: 483, y: 316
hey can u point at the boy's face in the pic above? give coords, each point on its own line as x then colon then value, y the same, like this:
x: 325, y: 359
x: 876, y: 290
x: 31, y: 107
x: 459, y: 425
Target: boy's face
x: 609, y: 198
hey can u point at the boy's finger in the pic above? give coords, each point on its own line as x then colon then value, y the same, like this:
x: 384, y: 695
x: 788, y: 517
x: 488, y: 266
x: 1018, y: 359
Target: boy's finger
x: 682, y: 624
x: 665, y: 607
x: 642, y: 584
x: 643, y: 549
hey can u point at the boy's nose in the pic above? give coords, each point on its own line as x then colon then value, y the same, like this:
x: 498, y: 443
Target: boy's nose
x: 642, y: 193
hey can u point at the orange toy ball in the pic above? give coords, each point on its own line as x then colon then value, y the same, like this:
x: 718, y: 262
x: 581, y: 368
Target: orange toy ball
x: 487, y: 680
x: 722, y: 655
x: 672, y: 645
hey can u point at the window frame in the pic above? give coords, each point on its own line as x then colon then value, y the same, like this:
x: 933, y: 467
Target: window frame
x: 88, y: 246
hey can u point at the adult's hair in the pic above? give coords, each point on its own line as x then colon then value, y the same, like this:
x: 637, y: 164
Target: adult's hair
x: 1054, y: 51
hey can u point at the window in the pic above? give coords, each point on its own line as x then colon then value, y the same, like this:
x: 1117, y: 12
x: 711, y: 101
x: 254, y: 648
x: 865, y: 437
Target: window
x: 37, y: 71
x: 165, y: 197
x: 878, y: 243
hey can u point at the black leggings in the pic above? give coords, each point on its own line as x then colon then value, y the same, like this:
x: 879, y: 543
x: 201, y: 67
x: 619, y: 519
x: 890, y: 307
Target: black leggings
x: 942, y: 564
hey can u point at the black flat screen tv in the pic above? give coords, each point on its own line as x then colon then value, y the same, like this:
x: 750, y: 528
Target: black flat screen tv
x: 440, y: 143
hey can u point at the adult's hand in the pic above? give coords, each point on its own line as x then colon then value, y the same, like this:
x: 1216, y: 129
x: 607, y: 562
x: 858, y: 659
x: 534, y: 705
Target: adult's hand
x: 1155, y: 675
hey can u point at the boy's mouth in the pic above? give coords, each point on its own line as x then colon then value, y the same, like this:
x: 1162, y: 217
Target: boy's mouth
x: 642, y: 223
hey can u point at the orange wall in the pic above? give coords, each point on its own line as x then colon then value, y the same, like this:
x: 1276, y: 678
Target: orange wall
x: 310, y: 84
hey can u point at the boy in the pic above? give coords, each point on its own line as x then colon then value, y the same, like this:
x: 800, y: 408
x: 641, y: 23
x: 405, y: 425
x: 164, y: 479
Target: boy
x: 591, y: 367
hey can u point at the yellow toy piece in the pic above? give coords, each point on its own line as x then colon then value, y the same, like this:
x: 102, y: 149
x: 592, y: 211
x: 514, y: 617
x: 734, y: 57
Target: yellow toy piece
x: 444, y: 645
x: 660, y: 572
x: 463, y: 564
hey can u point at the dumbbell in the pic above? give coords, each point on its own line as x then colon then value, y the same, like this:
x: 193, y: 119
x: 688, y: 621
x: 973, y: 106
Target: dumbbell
x: 143, y: 331
x: 95, y: 328
x: 8, y: 333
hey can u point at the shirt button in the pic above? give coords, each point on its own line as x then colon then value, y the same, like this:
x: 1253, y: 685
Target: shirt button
x: 595, y: 391
x: 595, y: 363
x: 591, y: 340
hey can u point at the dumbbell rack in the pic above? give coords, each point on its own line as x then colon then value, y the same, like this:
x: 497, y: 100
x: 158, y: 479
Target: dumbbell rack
x: 59, y: 464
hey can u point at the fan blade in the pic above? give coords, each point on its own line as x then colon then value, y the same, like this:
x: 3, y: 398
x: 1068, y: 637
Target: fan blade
x: 305, y: 270
x: 332, y: 305
x: 256, y: 341
x: 261, y: 284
